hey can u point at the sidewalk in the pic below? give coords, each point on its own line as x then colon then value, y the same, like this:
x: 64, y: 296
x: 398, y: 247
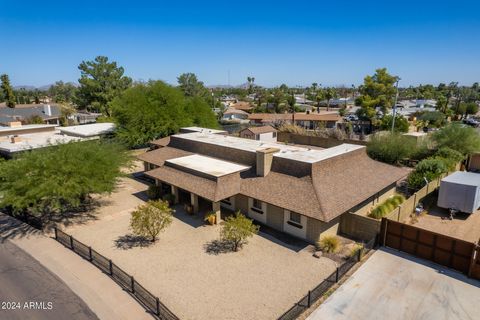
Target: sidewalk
x: 102, y: 295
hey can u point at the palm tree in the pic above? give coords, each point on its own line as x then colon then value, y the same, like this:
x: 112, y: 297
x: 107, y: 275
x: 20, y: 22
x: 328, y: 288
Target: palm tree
x: 329, y: 95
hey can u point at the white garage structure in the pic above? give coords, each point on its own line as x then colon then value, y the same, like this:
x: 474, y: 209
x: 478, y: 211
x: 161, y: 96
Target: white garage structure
x: 460, y: 191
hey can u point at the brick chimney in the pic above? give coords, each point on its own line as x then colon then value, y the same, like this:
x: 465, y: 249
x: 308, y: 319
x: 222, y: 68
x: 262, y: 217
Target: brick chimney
x: 264, y: 160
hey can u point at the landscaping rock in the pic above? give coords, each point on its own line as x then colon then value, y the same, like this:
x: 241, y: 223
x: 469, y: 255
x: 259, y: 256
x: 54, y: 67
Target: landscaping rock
x: 318, y: 254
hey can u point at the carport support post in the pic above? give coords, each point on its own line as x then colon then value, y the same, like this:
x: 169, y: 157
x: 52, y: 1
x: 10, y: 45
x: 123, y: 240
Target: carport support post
x: 216, y: 209
x: 194, y: 202
x: 175, y: 193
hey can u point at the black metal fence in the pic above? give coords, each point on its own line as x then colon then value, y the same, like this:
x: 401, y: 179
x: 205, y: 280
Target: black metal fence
x: 150, y: 302
x: 320, y: 290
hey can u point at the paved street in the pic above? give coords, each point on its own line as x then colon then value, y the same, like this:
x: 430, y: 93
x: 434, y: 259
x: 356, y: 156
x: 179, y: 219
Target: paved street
x: 33, y: 291
x: 396, y: 286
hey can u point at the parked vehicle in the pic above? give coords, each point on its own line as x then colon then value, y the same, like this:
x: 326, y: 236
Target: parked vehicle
x: 472, y: 122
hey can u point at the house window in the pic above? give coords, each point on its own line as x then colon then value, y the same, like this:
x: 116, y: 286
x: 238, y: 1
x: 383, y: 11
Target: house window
x: 257, y: 206
x: 295, y: 217
x: 226, y: 201
x: 274, y: 134
x: 257, y: 137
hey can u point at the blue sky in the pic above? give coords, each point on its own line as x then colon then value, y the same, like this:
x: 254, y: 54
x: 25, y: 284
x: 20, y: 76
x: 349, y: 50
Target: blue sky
x: 293, y: 42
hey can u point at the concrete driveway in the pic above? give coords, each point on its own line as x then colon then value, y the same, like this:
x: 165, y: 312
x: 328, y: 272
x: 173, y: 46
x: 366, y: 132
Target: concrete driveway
x: 392, y: 285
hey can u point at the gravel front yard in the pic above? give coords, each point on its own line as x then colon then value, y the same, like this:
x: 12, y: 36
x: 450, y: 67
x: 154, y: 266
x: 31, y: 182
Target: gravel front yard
x: 261, y: 281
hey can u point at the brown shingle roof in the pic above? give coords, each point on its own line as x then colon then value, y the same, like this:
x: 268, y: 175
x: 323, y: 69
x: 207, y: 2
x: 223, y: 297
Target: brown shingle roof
x: 159, y: 156
x: 333, y: 187
x: 213, y: 190
x: 162, y: 142
x: 242, y: 105
x: 259, y: 130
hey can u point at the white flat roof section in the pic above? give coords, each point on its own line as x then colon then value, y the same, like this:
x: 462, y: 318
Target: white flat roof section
x: 200, y: 129
x: 465, y: 178
x: 289, y: 152
x: 206, y: 165
x: 88, y: 130
x: 34, y: 141
x: 27, y: 127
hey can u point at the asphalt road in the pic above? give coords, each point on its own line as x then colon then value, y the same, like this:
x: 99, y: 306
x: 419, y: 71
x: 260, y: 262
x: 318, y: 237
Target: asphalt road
x: 30, y: 291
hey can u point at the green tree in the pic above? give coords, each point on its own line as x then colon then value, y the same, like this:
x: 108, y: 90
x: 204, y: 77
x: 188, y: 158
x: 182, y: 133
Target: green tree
x: 200, y: 113
x: 433, y: 118
x: 465, y: 140
x: 60, y: 178
x: 62, y: 92
x: 190, y: 86
x: 237, y: 229
x: 7, y: 91
x: 152, y: 110
x: 377, y: 91
x: 401, y: 123
x: 151, y: 218
x: 100, y: 82
x: 390, y: 147
x: 251, y: 84
x: 429, y: 169
x: 329, y: 94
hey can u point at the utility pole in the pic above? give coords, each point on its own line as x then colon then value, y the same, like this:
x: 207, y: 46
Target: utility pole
x: 395, y: 104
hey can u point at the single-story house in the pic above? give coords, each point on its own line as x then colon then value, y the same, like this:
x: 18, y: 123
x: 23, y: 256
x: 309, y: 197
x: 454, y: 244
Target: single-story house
x: 18, y: 138
x: 242, y: 105
x: 301, y: 191
x: 306, y: 120
x: 232, y: 115
x: 49, y: 113
x: 263, y: 133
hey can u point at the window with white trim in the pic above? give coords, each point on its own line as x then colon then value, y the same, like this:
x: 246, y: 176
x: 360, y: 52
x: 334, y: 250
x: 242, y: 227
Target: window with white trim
x: 257, y: 205
x: 295, y: 217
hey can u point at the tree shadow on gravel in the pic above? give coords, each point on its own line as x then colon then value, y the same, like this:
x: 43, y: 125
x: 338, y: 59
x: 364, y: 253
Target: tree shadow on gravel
x: 216, y: 247
x: 130, y: 241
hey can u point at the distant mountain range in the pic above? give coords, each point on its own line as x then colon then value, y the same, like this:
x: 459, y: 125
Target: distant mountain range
x: 41, y: 88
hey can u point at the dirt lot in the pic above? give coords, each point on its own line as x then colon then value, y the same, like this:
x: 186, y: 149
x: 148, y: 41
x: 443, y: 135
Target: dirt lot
x: 463, y: 226
x: 192, y: 276
x: 396, y: 286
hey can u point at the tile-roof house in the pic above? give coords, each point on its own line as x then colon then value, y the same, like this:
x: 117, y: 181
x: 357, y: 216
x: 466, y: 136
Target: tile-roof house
x: 297, y: 190
x: 49, y: 113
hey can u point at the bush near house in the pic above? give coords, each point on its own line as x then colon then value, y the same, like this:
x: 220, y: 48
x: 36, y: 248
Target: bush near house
x: 154, y: 192
x: 151, y: 218
x: 390, y: 147
x: 430, y: 169
x: 386, y: 207
x: 463, y: 139
x: 237, y: 229
x: 329, y: 244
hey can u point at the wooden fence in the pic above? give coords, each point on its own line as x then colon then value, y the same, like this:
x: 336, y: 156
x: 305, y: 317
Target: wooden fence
x: 447, y: 251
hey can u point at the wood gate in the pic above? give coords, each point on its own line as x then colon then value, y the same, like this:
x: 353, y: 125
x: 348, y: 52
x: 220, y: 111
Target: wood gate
x: 447, y: 251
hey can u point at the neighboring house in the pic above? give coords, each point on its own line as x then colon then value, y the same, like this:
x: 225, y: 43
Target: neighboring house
x: 83, y: 117
x: 305, y: 120
x: 300, y: 191
x: 242, y: 105
x: 232, y: 115
x: 263, y: 133
x: 49, y: 113
x: 18, y: 138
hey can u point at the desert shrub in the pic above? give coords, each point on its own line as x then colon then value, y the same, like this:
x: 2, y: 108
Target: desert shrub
x: 237, y: 229
x: 354, y: 252
x: 463, y: 139
x: 449, y: 153
x: 390, y: 148
x: 329, y: 244
x: 430, y: 169
x: 154, y: 192
x: 151, y: 218
x: 434, y: 118
x: 292, y: 128
x: 401, y: 123
x: 386, y: 207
